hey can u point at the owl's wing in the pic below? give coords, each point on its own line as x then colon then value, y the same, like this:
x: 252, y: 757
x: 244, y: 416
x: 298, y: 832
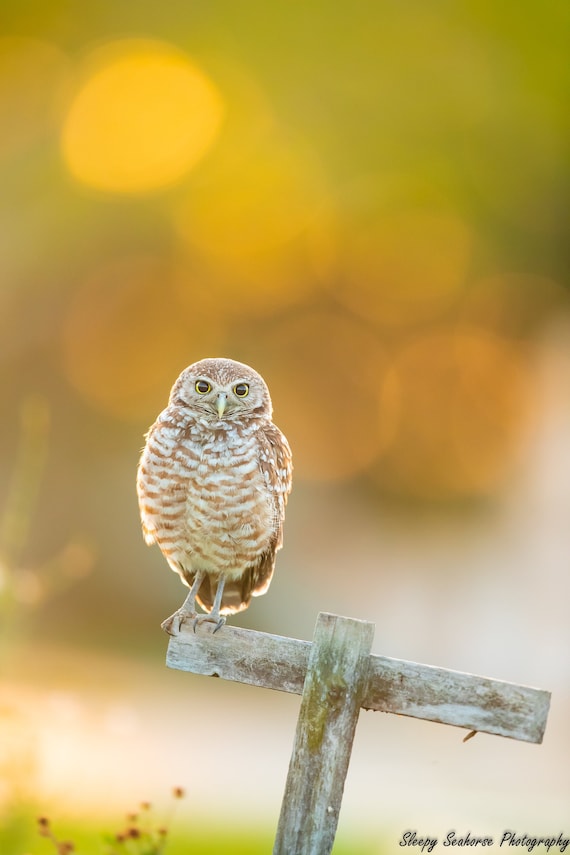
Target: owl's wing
x: 276, y: 465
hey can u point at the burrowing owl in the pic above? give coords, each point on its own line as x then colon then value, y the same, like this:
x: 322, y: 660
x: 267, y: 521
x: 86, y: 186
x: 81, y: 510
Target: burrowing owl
x: 212, y: 482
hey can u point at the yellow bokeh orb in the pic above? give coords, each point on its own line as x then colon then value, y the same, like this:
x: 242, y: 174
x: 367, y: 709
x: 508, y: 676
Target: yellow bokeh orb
x: 405, y: 267
x: 143, y: 117
x: 465, y: 413
x: 122, y: 343
x: 332, y: 389
x: 258, y: 226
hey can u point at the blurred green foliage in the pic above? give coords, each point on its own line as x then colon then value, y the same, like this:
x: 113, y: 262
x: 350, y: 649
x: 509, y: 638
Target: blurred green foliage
x: 20, y: 835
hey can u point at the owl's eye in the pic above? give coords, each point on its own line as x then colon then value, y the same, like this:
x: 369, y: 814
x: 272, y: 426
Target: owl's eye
x: 241, y: 390
x: 203, y: 387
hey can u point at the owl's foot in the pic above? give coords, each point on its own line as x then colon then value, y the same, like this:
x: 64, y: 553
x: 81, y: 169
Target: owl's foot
x: 173, y: 623
x: 187, y: 610
x: 212, y: 617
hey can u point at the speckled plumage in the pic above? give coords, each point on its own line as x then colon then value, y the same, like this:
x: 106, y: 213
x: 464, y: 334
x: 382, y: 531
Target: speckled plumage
x: 213, y: 481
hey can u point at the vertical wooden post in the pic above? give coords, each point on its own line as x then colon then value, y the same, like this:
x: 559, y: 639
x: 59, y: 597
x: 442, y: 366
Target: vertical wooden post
x: 332, y: 696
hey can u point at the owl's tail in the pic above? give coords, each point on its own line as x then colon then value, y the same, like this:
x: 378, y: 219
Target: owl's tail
x: 238, y: 592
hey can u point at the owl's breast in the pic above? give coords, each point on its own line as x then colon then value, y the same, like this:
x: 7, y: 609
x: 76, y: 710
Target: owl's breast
x: 229, y: 519
x: 214, y: 511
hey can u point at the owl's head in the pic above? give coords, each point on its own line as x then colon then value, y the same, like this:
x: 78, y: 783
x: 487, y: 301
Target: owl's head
x: 221, y: 389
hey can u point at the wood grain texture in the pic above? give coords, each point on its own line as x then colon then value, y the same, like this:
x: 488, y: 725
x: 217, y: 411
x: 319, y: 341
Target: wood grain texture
x: 457, y: 698
x: 242, y: 655
x: 394, y: 685
x: 332, y: 695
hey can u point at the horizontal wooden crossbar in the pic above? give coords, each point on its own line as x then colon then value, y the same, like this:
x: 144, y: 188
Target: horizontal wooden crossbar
x: 394, y: 685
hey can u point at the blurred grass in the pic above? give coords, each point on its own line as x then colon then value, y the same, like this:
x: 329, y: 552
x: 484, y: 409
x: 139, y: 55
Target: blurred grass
x: 214, y: 835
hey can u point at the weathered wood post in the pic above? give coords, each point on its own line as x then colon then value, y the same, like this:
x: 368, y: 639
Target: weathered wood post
x: 332, y: 696
x: 336, y: 675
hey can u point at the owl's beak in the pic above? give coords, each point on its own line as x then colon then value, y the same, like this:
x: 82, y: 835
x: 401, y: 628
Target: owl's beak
x: 221, y: 402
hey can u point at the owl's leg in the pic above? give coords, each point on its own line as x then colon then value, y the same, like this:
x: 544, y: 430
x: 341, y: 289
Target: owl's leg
x: 187, y: 610
x: 214, y: 615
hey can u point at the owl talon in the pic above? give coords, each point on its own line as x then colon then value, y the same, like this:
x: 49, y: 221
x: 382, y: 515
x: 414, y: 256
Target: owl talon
x: 217, y: 619
x: 173, y: 623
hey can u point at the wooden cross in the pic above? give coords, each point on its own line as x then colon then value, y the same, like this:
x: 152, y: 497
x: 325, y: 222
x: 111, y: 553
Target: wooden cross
x: 337, y: 675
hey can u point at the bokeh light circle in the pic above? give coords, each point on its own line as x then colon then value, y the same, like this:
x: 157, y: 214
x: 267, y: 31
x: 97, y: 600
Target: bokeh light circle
x: 330, y: 383
x: 512, y: 303
x: 404, y: 267
x: 124, y: 343
x: 144, y: 115
x: 258, y: 224
x: 465, y: 409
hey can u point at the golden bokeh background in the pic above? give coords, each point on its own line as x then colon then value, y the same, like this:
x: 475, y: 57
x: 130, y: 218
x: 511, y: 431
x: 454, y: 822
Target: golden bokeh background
x: 142, y: 119
x: 369, y: 204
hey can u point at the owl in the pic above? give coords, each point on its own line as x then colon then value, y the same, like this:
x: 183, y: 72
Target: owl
x: 212, y: 482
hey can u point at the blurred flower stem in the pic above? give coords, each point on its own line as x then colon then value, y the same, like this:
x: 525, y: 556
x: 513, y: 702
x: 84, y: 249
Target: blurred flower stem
x: 21, y: 500
x: 24, y: 586
x: 26, y: 478
x: 140, y: 836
